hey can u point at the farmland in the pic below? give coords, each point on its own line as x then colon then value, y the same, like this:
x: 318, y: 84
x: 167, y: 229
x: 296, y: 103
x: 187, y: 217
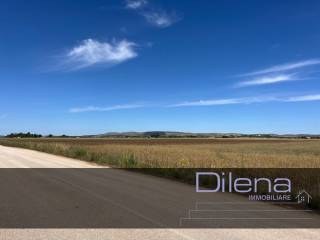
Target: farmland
x: 182, y: 152
x: 179, y: 158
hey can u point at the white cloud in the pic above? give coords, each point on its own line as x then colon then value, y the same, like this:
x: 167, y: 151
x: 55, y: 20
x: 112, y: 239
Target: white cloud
x: 278, y: 73
x: 267, y: 80
x: 284, y: 67
x: 155, y: 16
x: 304, y: 98
x: 247, y: 100
x: 160, y: 19
x: 105, y: 109
x: 202, y: 103
x: 207, y: 102
x: 226, y: 101
x: 136, y: 4
x: 92, y: 52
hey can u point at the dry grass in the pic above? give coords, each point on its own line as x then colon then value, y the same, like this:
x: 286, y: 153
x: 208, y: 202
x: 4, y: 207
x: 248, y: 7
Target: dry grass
x: 177, y: 153
x: 179, y: 158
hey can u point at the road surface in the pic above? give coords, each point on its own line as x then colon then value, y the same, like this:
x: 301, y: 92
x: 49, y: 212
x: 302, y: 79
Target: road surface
x: 113, y: 203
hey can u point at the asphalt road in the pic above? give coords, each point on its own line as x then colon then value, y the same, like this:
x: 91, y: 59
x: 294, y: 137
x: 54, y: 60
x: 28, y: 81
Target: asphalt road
x: 72, y: 199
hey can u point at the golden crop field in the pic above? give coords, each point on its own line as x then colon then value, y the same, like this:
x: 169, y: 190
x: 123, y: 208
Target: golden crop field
x: 182, y: 153
x: 179, y: 158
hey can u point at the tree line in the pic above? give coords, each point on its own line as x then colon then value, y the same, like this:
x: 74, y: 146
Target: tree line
x: 24, y: 135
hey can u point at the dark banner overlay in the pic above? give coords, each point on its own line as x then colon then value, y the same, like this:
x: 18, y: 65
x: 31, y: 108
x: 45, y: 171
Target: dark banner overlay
x: 159, y: 198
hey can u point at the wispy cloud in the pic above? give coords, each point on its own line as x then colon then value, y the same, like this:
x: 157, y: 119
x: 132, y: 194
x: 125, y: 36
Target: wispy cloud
x: 136, y: 4
x: 278, y: 73
x: 262, y: 80
x: 161, y: 19
x: 203, y: 103
x: 91, y: 52
x: 207, y: 102
x: 284, y: 67
x: 304, y: 98
x: 225, y: 101
x: 105, y: 109
x: 247, y: 100
x: 157, y: 17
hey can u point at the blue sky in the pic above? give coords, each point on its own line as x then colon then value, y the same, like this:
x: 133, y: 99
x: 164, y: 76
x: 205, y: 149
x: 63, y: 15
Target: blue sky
x: 90, y: 67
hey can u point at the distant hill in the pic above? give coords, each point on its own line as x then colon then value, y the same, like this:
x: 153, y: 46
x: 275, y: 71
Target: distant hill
x: 168, y: 134
x: 145, y: 134
x: 174, y: 134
